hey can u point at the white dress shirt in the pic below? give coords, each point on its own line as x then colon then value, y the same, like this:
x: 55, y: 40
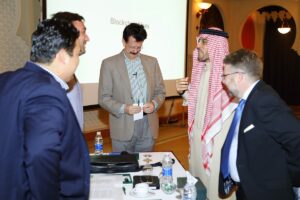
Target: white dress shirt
x: 75, y: 98
x: 234, y: 144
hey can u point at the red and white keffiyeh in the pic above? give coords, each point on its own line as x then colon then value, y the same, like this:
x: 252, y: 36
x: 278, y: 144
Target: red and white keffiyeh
x: 217, y: 109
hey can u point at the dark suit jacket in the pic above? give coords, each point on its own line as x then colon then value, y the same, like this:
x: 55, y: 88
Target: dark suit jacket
x: 43, y: 154
x: 268, y: 158
x: 115, y: 90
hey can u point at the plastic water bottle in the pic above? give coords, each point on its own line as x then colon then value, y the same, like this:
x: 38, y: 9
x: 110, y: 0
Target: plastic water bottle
x: 98, y: 143
x: 189, y: 191
x: 166, y: 181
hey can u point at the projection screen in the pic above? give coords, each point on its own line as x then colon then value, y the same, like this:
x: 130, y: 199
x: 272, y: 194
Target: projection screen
x: 165, y: 22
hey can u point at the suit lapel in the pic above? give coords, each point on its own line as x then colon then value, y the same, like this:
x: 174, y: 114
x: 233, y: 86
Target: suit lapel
x: 245, y: 118
x: 122, y: 69
x: 147, y: 74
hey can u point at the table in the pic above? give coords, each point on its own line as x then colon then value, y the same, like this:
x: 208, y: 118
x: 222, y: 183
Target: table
x: 104, y: 183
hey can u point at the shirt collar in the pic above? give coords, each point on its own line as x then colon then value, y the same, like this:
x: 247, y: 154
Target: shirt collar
x: 248, y: 91
x: 62, y: 83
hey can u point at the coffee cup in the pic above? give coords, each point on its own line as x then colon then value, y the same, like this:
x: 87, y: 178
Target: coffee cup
x: 141, y: 189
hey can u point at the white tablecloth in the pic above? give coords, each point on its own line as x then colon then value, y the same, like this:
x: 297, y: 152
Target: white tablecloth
x: 99, y: 181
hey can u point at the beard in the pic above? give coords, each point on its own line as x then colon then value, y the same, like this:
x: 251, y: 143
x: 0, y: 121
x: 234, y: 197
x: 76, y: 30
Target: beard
x: 82, y: 49
x: 232, y: 91
x: 202, y: 55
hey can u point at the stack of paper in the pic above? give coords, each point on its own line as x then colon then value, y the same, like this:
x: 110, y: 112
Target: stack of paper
x: 106, y: 187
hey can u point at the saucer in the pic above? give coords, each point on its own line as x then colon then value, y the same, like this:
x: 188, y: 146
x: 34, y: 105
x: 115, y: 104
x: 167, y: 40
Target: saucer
x: 134, y: 194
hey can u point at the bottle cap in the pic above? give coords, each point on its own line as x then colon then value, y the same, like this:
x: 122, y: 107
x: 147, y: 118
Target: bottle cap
x: 190, y: 179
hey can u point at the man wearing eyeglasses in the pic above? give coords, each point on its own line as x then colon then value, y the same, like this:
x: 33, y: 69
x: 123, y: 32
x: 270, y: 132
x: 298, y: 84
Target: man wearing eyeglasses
x: 263, y: 160
x: 131, y: 89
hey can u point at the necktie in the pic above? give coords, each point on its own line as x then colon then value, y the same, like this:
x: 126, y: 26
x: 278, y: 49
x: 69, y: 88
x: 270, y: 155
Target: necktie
x: 227, y: 144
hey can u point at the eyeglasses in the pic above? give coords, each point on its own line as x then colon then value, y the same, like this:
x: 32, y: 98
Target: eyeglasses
x: 224, y: 75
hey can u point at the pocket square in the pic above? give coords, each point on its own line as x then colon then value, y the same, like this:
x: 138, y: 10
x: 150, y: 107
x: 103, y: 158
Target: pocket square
x: 251, y: 126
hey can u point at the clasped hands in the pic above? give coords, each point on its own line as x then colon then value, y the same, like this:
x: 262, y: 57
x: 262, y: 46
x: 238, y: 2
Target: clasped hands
x: 135, y: 108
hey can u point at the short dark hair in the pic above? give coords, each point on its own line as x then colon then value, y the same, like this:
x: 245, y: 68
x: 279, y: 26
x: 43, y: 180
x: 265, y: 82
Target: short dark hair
x: 68, y: 16
x: 51, y: 36
x: 135, y: 30
x: 247, y: 61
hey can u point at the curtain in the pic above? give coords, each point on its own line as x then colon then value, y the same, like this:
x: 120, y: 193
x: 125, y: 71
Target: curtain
x: 29, y: 16
x: 281, y: 62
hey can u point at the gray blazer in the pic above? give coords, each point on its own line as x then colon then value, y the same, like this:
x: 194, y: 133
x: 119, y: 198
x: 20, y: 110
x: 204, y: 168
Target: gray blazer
x: 115, y: 90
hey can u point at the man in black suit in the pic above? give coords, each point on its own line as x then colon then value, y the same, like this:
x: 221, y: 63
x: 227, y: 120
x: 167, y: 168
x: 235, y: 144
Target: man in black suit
x: 264, y: 154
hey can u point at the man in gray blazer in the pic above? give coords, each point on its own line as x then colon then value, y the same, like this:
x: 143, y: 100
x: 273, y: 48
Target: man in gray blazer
x: 131, y: 89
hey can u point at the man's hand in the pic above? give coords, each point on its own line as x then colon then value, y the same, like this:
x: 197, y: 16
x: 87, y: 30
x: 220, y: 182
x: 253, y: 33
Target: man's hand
x: 182, y: 85
x: 148, y: 107
x: 132, y: 109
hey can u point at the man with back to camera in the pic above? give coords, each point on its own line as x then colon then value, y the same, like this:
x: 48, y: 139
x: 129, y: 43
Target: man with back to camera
x: 131, y: 89
x: 74, y: 93
x: 43, y: 154
x: 262, y: 155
